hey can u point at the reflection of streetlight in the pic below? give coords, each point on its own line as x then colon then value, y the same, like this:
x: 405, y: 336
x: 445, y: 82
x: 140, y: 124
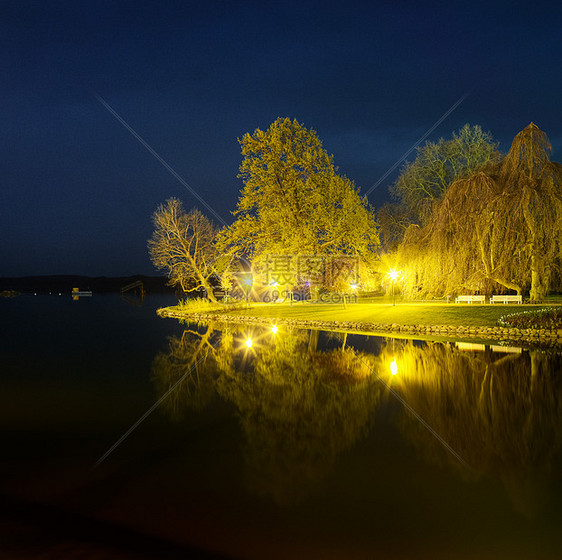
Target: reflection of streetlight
x: 393, y: 274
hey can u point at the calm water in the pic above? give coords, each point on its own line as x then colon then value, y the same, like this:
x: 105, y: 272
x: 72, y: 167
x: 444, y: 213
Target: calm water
x: 304, y: 445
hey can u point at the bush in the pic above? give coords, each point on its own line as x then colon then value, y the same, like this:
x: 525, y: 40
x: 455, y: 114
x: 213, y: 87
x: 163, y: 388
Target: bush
x: 549, y: 318
x: 203, y: 305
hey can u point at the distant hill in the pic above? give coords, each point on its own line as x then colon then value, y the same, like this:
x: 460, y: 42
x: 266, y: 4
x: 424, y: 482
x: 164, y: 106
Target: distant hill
x: 65, y: 284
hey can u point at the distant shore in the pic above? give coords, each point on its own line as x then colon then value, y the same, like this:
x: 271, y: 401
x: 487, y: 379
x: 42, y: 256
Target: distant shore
x: 97, y: 284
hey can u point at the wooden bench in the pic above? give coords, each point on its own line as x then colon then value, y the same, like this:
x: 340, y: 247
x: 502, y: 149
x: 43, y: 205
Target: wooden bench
x: 470, y: 299
x: 506, y: 299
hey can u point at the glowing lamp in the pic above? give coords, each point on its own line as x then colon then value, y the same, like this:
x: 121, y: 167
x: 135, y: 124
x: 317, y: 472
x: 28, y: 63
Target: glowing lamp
x: 393, y: 367
x: 274, y: 329
x: 393, y: 274
x: 249, y: 342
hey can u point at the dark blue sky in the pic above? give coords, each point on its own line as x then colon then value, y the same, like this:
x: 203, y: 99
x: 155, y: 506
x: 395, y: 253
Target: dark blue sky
x: 371, y: 78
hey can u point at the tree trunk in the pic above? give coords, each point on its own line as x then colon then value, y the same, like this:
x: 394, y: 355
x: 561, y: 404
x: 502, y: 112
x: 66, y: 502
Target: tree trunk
x: 209, y: 290
x: 539, y: 280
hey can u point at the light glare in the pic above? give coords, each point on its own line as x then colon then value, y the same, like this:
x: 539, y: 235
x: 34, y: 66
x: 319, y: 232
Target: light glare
x: 393, y: 367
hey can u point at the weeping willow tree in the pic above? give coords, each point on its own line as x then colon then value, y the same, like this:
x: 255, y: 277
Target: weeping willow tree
x: 500, y: 228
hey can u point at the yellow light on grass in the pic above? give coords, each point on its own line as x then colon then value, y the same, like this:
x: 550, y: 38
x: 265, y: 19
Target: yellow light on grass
x: 393, y: 367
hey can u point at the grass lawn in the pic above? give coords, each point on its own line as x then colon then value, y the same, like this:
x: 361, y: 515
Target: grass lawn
x: 384, y: 312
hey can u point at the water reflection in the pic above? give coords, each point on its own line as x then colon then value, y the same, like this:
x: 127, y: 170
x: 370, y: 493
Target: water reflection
x: 298, y: 407
x: 501, y: 412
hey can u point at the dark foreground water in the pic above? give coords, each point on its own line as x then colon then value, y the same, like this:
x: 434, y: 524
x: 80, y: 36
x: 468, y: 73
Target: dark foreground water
x: 304, y: 445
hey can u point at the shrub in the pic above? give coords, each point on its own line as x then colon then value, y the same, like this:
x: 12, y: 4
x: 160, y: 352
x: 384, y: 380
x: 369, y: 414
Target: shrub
x: 548, y: 318
x: 202, y: 305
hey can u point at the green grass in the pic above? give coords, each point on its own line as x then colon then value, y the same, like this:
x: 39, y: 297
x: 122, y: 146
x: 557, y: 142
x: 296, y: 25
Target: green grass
x: 384, y: 312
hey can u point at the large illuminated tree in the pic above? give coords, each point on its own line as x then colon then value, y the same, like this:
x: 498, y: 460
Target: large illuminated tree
x: 294, y: 202
x: 499, y: 227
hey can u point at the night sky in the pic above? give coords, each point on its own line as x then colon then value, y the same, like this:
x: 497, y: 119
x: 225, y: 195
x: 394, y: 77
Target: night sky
x: 190, y: 78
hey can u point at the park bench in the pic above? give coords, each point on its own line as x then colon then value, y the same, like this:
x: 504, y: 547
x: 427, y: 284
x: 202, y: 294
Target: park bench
x: 506, y: 299
x: 470, y: 299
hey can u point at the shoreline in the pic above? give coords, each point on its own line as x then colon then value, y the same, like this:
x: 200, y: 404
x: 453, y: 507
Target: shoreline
x: 551, y: 336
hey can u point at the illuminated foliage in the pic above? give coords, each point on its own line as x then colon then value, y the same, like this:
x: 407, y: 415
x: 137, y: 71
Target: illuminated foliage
x: 501, y: 227
x: 293, y: 201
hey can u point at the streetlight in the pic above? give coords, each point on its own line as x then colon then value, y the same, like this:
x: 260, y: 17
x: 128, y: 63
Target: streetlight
x: 393, y: 274
x: 248, y: 284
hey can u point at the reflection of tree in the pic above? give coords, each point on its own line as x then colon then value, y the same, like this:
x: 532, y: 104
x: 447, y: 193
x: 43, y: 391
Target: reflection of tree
x: 299, y: 408
x: 502, y: 416
x: 189, y: 363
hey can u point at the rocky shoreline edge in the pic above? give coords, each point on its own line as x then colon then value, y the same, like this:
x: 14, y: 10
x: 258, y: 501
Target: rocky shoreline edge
x: 550, y: 337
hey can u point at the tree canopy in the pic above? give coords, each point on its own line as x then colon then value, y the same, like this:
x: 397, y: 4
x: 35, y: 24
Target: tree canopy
x: 425, y: 180
x: 293, y: 201
x: 501, y: 227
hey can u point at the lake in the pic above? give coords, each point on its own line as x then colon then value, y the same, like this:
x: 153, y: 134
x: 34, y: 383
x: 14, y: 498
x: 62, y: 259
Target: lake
x: 125, y: 435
